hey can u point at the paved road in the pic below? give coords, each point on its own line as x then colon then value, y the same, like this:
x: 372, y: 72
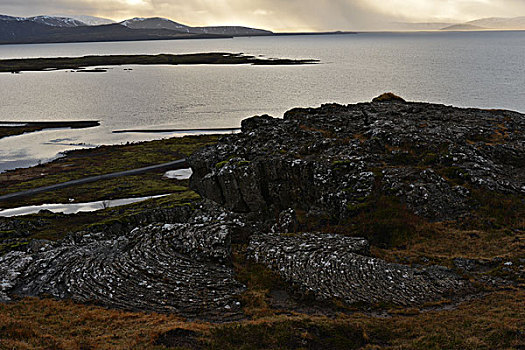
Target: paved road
x: 178, y: 164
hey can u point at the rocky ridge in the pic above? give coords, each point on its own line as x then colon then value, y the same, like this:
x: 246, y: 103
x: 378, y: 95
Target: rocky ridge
x: 333, y: 158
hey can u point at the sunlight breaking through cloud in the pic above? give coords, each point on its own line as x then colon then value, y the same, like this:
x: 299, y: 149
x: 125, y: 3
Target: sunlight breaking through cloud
x: 278, y: 14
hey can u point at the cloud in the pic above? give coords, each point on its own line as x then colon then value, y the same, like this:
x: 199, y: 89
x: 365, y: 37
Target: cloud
x: 262, y: 12
x: 456, y: 10
x: 277, y: 14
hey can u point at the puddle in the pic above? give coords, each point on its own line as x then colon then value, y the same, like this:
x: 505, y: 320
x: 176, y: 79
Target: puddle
x: 73, y: 208
x: 11, y: 125
x: 181, y: 174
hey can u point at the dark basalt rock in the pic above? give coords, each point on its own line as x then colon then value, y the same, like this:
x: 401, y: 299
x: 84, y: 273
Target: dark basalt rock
x: 335, y: 266
x: 331, y: 159
x: 178, y: 268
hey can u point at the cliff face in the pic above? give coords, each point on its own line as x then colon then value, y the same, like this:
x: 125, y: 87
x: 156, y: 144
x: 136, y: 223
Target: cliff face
x: 333, y: 159
x: 291, y: 191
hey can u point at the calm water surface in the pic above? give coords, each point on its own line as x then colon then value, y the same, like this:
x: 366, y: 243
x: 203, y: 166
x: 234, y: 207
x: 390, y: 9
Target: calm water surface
x: 481, y: 69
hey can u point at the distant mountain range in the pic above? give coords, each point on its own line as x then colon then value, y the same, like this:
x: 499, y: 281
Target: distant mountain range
x: 53, y: 29
x: 405, y: 26
x: 463, y: 26
x: 499, y: 23
x: 494, y: 23
x: 56, y: 29
x: 90, y: 20
x: 163, y: 23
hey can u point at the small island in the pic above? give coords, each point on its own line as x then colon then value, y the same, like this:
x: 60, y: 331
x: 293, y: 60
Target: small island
x: 56, y: 63
x: 17, y: 128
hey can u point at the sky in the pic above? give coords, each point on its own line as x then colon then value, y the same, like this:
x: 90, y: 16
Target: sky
x: 278, y: 15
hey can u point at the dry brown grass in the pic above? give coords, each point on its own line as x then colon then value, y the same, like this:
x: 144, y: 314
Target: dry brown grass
x: 499, y: 136
x: 388, y: 97
x: 325, y: 133
x: 495, y: 321
x: 440, y: 243
x: 48, y: 324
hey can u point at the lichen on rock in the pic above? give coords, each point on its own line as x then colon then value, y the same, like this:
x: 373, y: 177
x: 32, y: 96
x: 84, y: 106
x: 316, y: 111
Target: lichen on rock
x: 178, y: 268
x: 334, y: 157
x: 335, y: 266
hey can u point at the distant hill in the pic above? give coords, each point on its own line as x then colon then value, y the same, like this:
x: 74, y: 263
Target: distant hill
x: 495, y: 23
x: 164, y: 23
x: 57, y: 21
x: 90, y: 20
x: 418, y: 26
x: 53, y: 21
x: 54, y: 29
x: 27, y: 32
x: 500, y: 23
x: 154, y: 23
x: 463, y: 26
x: 231, y: 30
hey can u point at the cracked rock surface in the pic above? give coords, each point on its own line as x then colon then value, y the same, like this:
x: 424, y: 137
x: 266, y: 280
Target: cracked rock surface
x: 335, y: 266
x: 178, y: 268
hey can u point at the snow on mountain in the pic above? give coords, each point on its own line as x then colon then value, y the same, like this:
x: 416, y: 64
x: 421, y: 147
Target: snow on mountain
x: 56, y: 21
x: 53, y: 21
x: 91, y: 20
x: 154, y: 23
x: 61, y: 21
x: 164, y: 23
x: 11, y: 18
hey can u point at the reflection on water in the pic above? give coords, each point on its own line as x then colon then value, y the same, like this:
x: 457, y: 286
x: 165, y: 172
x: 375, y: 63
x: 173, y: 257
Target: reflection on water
x: 181, y: 174
x: 73, y: 208
x: 479, y: 69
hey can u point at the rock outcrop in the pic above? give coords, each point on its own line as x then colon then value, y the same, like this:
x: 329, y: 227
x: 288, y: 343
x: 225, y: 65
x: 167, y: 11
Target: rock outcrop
x: 331, y: 159
x: 334, y: 266
x: 178, y: 268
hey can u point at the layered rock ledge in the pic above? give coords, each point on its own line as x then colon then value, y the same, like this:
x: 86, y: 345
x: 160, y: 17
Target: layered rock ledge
x: 334, y: 266
x: 177, y: 268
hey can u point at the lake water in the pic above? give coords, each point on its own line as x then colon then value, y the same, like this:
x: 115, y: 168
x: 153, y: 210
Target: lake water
x: 73, y: 208
x: 478, y: 69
